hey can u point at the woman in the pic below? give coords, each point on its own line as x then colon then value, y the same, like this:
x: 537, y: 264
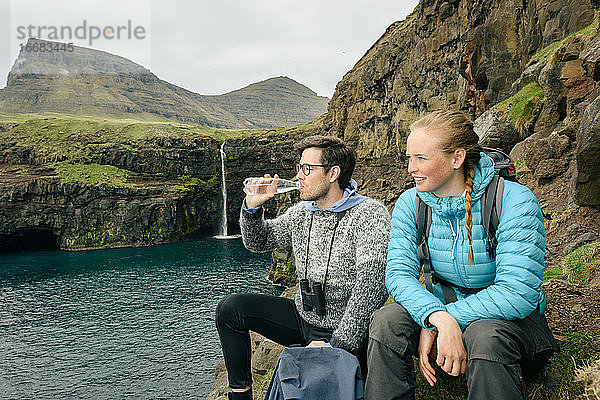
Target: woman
x: 494, y: 332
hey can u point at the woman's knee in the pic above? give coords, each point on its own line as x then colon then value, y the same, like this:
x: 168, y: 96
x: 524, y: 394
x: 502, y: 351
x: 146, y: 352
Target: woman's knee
x: 489, y: 339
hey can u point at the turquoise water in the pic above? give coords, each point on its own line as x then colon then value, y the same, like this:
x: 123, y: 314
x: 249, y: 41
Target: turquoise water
x: 122, y: 323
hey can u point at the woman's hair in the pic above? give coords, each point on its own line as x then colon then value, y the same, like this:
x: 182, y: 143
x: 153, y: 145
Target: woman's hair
x: 455, y: 130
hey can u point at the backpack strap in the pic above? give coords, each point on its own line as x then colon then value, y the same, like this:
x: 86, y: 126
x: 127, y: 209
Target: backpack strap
x: 491, y: 206
x: 423, y: 218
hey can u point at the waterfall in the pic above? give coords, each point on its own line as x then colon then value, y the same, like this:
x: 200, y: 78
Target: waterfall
x: 222, y: 234
x: 223, y: 229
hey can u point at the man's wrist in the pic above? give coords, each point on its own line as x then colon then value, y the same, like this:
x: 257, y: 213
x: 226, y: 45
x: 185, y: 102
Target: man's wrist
x: 251, y: 210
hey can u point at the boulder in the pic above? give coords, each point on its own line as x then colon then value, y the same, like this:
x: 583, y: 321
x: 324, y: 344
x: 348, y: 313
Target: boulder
x: 570, y: 49
x: 578, y: 88
x: 551, y: 167
x: 590, y: 58
x: 555, y: 106
x: 530, y: 74
x: 572, y: 69
x: 495, y: 131
x: 579, y: 241
x: 586, y: 182
x: 541, y: 147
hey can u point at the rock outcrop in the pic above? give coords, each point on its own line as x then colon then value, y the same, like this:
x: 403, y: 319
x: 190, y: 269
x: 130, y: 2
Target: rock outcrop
x: 586, y: 182
x: 35, y: 205
x: 416, y: 65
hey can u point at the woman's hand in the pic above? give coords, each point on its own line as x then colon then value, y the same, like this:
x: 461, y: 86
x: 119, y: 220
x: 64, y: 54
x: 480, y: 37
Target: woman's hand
x: 427, y: 351
x: 451, y: 353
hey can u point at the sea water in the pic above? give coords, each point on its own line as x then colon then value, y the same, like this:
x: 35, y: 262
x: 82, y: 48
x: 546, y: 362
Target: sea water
x: 121, y: 323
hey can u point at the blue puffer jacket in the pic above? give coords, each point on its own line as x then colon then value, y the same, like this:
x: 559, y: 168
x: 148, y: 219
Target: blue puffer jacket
x: 513, y: 279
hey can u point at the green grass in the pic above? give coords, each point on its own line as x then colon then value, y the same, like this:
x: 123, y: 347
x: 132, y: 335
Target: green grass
x: 58, y: 137
x: 579, y: 266
x: 545, y: 53
x: 582, y: 264
x: 522, y: 108
x: 259, y: 388
x: 53, y: 131
x: 560, y: 372
x: 189, y: 181
x: 554, y: 272
x: 92, y: 174
x: 284, y: 270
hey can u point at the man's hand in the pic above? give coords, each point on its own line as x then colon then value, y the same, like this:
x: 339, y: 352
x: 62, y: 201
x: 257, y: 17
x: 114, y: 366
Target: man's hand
x: 451, y: 353
x: 262, y: 189
x: 317, y: 343
x: 426, y: 352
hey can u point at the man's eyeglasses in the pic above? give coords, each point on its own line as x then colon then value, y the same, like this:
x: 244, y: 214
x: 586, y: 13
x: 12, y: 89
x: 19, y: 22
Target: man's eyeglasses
x: 306, y: 168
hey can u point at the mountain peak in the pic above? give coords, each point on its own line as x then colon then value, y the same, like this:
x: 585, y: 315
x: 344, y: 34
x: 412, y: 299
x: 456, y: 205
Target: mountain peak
x: 67, y: 58
x: 78, y: 80
x: 278, y: 83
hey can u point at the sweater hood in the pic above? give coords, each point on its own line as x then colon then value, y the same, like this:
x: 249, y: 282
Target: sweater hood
x: 348, y: 200
x: 454, y: 207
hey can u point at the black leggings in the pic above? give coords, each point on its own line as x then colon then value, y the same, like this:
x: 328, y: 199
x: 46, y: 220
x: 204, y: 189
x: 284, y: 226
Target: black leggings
x: 274, y: 317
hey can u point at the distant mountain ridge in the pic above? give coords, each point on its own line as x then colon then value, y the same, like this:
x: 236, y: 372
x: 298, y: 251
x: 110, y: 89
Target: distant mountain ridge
x: 93, y: 82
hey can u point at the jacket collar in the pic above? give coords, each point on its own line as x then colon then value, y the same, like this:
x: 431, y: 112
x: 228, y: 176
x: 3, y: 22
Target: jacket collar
x: 348, y: 200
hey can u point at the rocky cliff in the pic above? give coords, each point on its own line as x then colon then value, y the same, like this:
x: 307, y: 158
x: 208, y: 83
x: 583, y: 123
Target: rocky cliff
x: 520, y: 69
x: 416, y: 65
x: 84, y: 183
x: 82, y: 81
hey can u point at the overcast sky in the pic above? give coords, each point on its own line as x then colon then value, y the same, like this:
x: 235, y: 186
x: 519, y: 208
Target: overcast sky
x: 212, y: 47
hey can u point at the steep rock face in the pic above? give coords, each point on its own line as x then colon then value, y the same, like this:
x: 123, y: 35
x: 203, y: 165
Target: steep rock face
x: 556, y: 113
x: 169, y: 187
x: 75, y: 216
x: 587, y: 180
x: 414, y: 67
x: 91, y: 82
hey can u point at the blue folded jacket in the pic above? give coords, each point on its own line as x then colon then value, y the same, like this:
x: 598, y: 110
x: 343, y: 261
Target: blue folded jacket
x: 316, y: 373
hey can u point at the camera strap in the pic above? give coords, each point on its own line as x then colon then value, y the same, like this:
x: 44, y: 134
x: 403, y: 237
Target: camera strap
x: 339, y: 216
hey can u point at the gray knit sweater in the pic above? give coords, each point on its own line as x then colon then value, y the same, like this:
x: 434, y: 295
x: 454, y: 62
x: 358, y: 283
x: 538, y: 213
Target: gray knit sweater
x: 355, y: 282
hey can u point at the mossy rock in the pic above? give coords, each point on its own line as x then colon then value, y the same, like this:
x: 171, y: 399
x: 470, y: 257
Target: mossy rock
x: 522, y: 108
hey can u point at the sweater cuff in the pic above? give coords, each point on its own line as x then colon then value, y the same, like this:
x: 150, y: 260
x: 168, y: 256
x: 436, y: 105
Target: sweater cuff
x: 249, y: 210
x: 251, y: 213
x: 337, y: 342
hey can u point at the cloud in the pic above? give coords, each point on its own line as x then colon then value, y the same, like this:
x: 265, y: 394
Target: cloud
x: 213, y: 47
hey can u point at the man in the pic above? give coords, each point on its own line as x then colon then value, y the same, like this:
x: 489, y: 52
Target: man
x: 339, y: 239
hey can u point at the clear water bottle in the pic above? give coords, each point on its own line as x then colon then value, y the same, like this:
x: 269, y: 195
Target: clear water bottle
x: 269, y: 185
